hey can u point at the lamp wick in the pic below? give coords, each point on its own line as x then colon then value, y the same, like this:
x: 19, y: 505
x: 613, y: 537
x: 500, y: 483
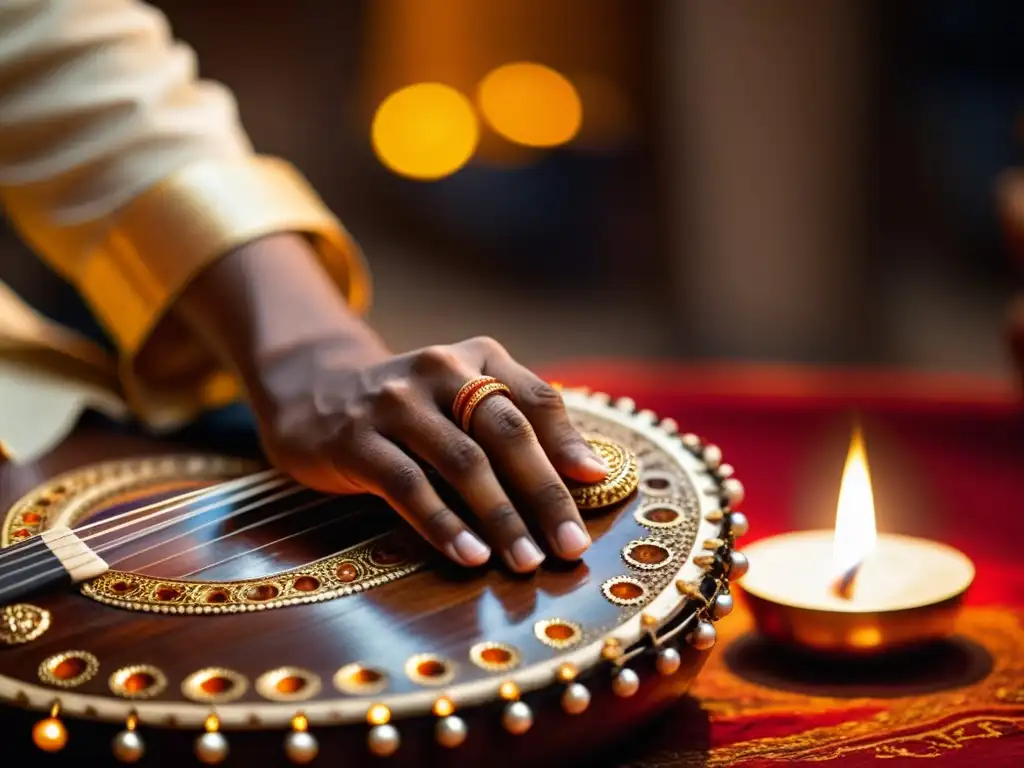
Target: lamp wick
x: 842, y: 587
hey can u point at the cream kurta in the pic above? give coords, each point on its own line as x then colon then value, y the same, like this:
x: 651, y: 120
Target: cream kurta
x: 128, y: 175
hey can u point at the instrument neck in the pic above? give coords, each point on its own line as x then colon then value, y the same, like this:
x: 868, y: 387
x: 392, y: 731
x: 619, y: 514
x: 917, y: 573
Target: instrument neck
x: 55, y: 558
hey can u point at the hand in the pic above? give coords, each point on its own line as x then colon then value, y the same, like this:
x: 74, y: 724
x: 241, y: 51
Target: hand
x: 341, y: 414
x: 346, y: 420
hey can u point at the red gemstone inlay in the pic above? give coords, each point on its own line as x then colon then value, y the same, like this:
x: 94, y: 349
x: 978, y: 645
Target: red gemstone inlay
x: 347, y: 572
x: 167, y: 593
x: 387, y: 555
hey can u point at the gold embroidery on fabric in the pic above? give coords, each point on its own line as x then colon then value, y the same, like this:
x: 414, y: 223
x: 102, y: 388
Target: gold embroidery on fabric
x: 923, y: 726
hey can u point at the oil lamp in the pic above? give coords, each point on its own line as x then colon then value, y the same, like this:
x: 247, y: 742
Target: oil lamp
x: 853, y: 590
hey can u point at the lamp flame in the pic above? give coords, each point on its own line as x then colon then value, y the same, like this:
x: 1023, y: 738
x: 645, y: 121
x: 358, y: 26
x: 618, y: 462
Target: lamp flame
x: 855, y: 533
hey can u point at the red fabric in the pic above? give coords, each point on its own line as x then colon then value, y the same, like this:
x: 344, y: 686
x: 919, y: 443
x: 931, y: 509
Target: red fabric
x: 947, y: 463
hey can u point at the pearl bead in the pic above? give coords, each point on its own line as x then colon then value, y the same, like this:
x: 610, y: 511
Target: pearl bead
x: 703, y: 636
x: 725, y: 470
x: 301, y: 747
x: 669, y: 426
x: 738, y: 565
x: 451, y: 731
x: 50, y: 735
x: 738, y: 524
x: 576, y: 699
x: 212, y: 748
x: 128, y: 747
x: 383, y: 740
x: 668, y: 661
x: 625, y: 404
x: 647, y: 416
x: 712, y: 456
x: 517, y: 718
x: 601, y: 397
x: 625, y: 683
x: 691, y: 441
x: 733, y: 491
x: 723, y: 606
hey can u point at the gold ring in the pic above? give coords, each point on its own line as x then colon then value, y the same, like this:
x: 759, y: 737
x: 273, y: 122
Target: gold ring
x: 467, y: 391
x: 481, y: 394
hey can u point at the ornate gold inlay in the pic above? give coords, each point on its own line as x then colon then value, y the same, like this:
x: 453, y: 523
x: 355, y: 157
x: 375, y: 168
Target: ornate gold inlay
x: 621, y: 482
x: 69, y: 497
x: 140, y: 681
x: 69, y: 669
x: 288, y: 684
x: 494, y: 657
x: 364, y: 566
x: 428, y: 669
x: 624, y: 590
x: 558, y: 633
x: 359, y: 679
x: 22, y: 623
x: 214, y: 685
x: 648, y: 554
x: 660, y: 514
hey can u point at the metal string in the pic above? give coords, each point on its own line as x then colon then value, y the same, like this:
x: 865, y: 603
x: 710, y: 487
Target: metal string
x: 235, y: 513
x: 151, y: 529
x: 173, y: 503
x: 329, y: 521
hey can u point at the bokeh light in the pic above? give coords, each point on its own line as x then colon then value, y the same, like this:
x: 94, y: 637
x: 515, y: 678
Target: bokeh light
x: 530, y: 104
x: 425, y: 131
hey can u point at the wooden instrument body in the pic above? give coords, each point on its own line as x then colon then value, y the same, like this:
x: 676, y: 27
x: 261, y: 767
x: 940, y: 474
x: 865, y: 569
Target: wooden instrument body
x: 331, y: 610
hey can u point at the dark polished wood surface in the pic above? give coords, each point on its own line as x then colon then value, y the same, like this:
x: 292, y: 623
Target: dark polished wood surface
x: 439, y: 610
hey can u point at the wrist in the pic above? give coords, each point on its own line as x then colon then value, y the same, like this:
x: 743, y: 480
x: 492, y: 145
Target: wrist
x: 267, y: 300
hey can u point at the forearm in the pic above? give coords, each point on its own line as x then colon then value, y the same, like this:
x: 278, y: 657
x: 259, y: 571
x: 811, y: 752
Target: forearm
x: 131, y: 176
x: 266, y: 299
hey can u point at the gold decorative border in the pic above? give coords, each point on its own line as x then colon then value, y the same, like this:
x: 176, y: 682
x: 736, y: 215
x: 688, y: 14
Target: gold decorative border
x: 66, y: 493
x: 657, y: 448
x: 345, y: 573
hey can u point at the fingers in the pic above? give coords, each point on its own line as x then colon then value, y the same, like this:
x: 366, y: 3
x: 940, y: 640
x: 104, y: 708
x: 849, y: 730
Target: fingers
x: 508, y: 438
x: 543, y: 407
x: 425, y: 431
x: 390, y: 473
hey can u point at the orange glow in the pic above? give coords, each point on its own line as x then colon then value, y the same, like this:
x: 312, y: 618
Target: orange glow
x: 425, y: 131
x: 509, y: 691
x: 378, y: 715
x: 530, y: 104
x: 443, y: 707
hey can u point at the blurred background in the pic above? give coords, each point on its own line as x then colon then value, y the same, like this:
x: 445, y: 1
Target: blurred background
x: 795, y: 180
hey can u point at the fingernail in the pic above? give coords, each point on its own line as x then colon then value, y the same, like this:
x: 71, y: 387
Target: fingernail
x: 469, y: 550
x: 595, y: 464
x: 572, y: 540
x: 525, y: 555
